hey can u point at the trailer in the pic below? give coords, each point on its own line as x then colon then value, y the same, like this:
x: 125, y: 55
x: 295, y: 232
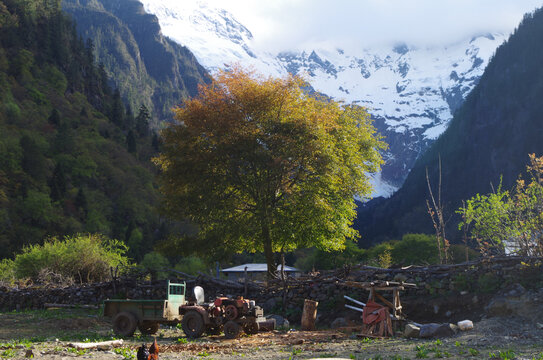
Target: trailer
x: 196, y: 317
x: 147, y: 315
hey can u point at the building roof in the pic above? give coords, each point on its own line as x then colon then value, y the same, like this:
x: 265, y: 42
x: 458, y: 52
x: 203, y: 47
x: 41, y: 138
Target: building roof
x: 257, y: 268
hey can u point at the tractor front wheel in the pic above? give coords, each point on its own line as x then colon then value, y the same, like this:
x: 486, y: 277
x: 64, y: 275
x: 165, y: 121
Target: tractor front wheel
x: 231, y: 329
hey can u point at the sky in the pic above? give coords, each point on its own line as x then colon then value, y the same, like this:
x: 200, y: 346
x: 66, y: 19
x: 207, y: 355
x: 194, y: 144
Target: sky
x: 294, y: 24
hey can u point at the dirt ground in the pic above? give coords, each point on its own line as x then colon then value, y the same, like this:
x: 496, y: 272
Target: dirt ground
x: 46, y: 334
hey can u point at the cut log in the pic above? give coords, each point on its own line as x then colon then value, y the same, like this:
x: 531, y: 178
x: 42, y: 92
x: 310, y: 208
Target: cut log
x: 309, y: 315
x: 103, y: 345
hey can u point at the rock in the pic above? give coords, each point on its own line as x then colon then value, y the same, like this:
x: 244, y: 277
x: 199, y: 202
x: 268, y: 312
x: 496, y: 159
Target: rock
x: 411, y: 331
x: 400, y: 278
x: 525, y: 306
x: 339, y: 322
x: 465, y: 325
x: 437, y: 330
x: 279, y: 320
x: 269, y: 304
x: 516, y: 290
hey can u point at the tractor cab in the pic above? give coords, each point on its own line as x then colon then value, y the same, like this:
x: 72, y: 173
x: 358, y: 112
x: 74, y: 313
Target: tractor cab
x: 175, y: 299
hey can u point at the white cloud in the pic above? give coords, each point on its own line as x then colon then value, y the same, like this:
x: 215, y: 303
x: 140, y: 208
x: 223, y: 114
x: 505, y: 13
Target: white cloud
x: 295, y: 24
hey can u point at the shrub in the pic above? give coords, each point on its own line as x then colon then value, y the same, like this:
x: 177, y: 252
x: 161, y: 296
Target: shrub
x: 415, y: 249
x: 154, y: 262
x: 7, y: 272
x: 191, y: 265
x: 84, y: 258
x: 488, y: 283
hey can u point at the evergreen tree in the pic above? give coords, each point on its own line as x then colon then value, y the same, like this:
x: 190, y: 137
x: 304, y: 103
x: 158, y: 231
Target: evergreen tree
x: 57, y: 183
x: 81, y: 201
x: 131, y: 142
x: 54, y: 118
x: 117, y: 109
x: 142, y: 121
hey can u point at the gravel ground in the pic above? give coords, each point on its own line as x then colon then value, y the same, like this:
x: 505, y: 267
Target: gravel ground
x: 46, y: 334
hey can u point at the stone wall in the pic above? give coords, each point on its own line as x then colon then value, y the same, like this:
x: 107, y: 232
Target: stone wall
x: 444, y: 292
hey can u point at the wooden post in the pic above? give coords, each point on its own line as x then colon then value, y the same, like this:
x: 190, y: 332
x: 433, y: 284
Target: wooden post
x: 246, y: 280
x: 309, y: 315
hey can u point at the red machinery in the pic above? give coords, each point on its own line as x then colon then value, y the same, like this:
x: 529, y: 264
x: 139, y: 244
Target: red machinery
x: 224, y: 314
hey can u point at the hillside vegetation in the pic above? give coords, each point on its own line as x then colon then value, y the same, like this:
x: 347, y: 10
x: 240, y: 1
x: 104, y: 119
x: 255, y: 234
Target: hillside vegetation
x: 147, y: 67
x: 71, y: 159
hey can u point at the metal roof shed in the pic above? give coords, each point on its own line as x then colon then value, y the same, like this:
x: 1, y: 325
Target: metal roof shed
x: 255, y: 271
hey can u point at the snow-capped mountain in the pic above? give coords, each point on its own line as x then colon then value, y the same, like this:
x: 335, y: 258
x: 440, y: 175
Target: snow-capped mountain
x: 411, y: 92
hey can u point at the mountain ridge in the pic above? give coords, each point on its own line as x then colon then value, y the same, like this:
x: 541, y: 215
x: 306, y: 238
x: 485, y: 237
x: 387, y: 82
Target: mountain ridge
x: 486, y: 144
x: 410, y: 91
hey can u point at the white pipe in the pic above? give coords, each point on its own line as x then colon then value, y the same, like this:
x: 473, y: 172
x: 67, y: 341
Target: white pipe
x: 354, y: 308
x: 353, y: 300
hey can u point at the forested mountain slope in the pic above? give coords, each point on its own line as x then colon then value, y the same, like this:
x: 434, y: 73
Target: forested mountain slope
x: 491, y: 135
x: 147, y: 67
x: 71, y: 159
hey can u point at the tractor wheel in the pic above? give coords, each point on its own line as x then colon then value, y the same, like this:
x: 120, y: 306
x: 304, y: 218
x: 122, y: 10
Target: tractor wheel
x: 148, y: 327
x: 216, y: 330
x: 231, y: 329
x: 193, y: 324
x: 124, y: 324
x: 251, y: 328
x: 230, y: 312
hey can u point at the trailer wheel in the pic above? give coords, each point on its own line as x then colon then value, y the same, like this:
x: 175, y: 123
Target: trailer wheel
x: 231, y: 329
x: 124, y: 324
x: 148, y: 327
x: 192, y: 324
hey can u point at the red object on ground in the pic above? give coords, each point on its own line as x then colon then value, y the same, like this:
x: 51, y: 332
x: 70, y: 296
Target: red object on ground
x: 373, y: 313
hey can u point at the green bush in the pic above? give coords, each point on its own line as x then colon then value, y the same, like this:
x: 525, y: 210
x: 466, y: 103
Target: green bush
x: 488, y: 283
x: 84, y: 258
x: 325, y: 260
x: 7, y: 272
x: 12, y: 111
x: 191, y: 265
x: 458, y: 253
x: 155, y: 263
x: 415, y: 249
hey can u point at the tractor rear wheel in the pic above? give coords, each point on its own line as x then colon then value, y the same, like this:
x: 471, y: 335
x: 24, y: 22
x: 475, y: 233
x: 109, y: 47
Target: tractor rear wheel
x: 231, y: 329
x: 193, y: 324
x: 148, y: 327
x: 124, y: 324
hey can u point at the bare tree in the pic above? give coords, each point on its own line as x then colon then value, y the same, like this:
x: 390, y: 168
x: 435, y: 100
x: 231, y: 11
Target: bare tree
x: 435, y: 210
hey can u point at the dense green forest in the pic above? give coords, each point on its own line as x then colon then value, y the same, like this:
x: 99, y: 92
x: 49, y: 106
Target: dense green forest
x: 147, y: 67
x: 72, y: 159
x: 489, y: 139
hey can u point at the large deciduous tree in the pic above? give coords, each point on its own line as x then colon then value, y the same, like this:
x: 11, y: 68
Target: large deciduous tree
x: 259, y: 165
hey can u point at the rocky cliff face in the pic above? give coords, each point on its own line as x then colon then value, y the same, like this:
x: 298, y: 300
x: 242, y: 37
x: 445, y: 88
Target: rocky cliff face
x: 411, y: 92
x: 146, y: 66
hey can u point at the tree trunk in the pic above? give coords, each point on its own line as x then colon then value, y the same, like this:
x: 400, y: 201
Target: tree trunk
x: 268, y: 250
